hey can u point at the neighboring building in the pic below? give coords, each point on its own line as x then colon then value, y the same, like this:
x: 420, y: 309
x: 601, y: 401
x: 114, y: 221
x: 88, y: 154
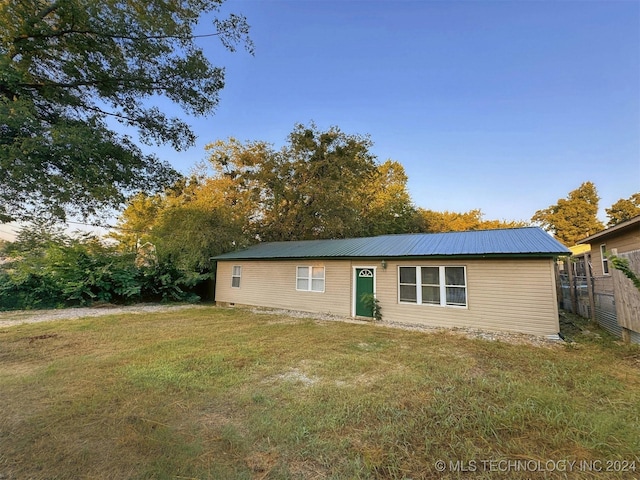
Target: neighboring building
x: 502, y: 280
x: 623, y: 237
x: 612, y: 300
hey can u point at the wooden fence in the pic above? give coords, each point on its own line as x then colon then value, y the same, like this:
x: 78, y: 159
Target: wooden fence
x: 611, y: 300
x: 627, y: 296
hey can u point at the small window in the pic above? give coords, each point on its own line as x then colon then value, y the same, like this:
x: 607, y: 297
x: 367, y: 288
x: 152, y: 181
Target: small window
x: 456, y: 286
x: 235, y: 276
x: 605, y: 260
x: 431, y: 285
x: 408, y: 290
x: 310, y: 279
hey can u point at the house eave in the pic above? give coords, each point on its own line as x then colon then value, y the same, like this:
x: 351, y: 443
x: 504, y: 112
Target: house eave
x: 623, y: 227
x: 495, y: 256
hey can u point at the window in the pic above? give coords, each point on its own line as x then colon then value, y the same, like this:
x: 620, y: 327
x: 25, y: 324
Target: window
x: 235, y: 276
x: 310, y: 279
x: 408, y: 285
x: 444, y: 286
x: 605, y: 260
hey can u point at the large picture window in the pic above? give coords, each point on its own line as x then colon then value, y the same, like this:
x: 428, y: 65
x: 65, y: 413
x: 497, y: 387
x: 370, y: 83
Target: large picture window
x: 310, y: 279
x: 444, y: 286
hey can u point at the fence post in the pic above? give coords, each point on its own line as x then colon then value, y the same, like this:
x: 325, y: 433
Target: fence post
x: 590, y: 289
x: 572, y: 288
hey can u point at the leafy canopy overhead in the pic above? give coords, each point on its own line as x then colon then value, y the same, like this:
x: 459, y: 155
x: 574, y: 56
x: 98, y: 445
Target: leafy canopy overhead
x: 67, y: 66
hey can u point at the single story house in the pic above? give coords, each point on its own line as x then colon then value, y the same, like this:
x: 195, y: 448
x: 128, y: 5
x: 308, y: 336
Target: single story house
x: 621, y: 238
x: 501, y: 280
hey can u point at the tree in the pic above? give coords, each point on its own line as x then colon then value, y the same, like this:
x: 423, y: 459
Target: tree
x: 573, y: 218
x: 321, y: 184
x: 435, y: 222
x: 50, y: 268
x: 68, y: 66
x: 134, y: 225
x: 325, y: 173
x: 623, y: 209
x: 187, y: 225
x: 388, y: 207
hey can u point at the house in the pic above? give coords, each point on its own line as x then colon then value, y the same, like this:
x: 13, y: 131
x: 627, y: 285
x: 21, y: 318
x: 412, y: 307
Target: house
x: 613, y: 300
x: 501, y: 280
x: 623, y: 237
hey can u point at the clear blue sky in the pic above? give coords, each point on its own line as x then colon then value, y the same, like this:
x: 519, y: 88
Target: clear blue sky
x: 500, y: 105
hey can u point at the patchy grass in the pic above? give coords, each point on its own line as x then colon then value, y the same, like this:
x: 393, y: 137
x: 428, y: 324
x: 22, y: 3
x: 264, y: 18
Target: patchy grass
x: 226, y: 393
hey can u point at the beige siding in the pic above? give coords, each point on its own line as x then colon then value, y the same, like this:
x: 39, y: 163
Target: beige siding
x: 272, y: 284
x: 626, y: 242
x: 502, y: 295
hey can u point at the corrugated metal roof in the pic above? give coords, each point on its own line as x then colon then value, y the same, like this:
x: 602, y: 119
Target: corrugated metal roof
x: 516, y: 241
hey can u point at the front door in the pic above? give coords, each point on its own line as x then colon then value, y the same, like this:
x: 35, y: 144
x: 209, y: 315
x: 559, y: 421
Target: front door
x: 364, y: 288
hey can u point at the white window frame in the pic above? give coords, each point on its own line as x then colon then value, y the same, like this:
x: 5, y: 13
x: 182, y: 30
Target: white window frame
x: 310, y: 278
x: 442, y: 284
x: 604, y: 259
x: 236, y: 273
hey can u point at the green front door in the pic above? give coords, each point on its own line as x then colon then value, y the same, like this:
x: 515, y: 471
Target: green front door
x: 364, y: 287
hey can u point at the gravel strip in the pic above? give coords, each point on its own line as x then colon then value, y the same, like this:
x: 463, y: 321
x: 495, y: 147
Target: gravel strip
x: 507, y: 337
x: 19, y: 317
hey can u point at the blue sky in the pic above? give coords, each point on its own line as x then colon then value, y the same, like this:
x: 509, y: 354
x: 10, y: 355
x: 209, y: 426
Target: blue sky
x: 504, y: 106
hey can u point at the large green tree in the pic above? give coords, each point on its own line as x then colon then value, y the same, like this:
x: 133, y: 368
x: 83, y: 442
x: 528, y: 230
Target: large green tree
x: 574, y: 217
x: 321, y: 184
x: 186, y: 225
x: 68, y: 66
x: 388, y: 207
x: 623, y: 209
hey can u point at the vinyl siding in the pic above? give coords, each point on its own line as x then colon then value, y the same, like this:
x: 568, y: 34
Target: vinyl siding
x: 502, y: 295
x: 626, y: 242
x: 270, y: 283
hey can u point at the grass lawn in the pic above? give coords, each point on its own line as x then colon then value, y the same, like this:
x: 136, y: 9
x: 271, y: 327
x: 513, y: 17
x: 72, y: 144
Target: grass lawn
x: 229, y: 394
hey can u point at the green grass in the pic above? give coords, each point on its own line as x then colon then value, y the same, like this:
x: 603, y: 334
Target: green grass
x: 212, y: 393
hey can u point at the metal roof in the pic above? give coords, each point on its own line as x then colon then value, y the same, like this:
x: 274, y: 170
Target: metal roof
x: 529, y: 241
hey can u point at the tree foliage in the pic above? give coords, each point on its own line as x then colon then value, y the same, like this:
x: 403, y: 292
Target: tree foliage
x: 49, y: 268
x: 435, y: 222
x: 624, y: 209
x: 321, y: 184
x: 68, y: 66
x: 622, y: 264
x: 196, y: 219
x: 574, y: 217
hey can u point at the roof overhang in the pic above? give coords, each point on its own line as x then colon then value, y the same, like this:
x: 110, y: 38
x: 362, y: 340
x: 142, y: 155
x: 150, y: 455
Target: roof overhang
x: 623, y: 227
x: 494, y: 256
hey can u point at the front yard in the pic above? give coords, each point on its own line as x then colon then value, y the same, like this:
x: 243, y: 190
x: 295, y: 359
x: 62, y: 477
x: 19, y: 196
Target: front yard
x: 226, y: 393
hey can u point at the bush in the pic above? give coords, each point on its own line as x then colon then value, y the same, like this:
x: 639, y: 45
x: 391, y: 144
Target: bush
x: 49, y: 271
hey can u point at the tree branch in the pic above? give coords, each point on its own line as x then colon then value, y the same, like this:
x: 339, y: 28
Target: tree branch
x: 114, y: 36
